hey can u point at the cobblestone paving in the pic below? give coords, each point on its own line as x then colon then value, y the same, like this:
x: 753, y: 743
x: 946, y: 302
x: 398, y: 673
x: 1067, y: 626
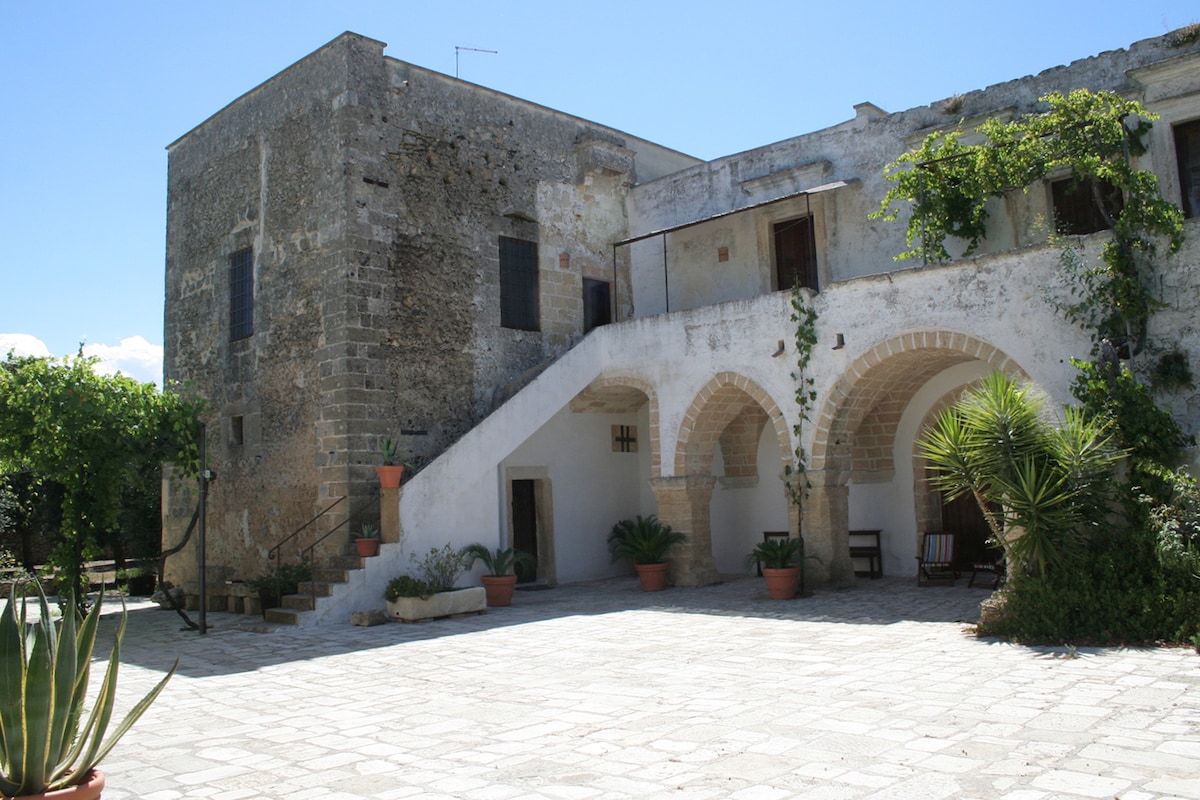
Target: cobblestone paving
x: 601, y: 691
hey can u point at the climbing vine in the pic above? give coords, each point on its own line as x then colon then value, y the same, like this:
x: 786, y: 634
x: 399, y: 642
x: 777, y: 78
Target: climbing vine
x: 1088, y: 137
x: 804, y: 316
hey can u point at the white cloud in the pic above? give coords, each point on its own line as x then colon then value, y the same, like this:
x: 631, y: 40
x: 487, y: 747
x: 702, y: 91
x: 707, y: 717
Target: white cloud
x: 134, y: 356
x: 22, y: 344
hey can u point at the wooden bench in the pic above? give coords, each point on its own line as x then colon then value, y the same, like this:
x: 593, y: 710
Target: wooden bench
x: 866, y: 544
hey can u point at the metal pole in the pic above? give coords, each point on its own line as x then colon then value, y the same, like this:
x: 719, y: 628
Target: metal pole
x: 203, y: 529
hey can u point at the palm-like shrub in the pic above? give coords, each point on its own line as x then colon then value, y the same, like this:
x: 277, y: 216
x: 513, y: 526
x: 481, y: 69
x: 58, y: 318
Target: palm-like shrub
x: 642, y: 541
x: 498, y: 562
x: 46, y: 742
x: 777, y: 553
x: 1039, y: 485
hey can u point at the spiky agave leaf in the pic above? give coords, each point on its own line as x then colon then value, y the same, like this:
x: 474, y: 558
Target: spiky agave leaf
x: 44, y: 671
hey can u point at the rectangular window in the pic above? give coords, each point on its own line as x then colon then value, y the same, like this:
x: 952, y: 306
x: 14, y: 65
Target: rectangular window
x: 597, y: 304
x: 241, y: 294
x: 795, y: 254
x: 1076, y: 212
x: 519, y: 284
x: 1187, y: 153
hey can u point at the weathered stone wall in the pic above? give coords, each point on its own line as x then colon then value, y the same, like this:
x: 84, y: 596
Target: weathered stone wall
x: 373, y: 194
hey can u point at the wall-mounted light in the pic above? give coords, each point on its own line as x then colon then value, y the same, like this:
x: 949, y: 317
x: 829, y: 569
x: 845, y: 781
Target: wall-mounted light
x: 779, y: 351
x: 841, y: 342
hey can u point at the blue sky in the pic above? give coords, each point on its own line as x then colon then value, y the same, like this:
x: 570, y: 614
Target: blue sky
x: 93, y: 93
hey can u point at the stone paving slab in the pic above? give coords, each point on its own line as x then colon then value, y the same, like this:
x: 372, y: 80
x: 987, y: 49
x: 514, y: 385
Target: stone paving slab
x: 598, y: 691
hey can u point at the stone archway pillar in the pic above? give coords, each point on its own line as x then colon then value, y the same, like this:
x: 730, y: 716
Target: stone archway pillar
x: 826, y: 519
x: 683, y: 503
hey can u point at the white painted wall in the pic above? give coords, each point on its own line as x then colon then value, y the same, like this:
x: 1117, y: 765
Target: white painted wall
x: 740, y: 514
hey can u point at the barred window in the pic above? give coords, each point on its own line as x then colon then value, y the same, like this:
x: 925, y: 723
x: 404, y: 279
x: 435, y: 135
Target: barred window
x: 241, y: 294
x: 519, y: 284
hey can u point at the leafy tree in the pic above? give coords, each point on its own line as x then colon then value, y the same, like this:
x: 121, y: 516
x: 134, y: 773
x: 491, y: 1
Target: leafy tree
x: 1039, y: 485
x: 94, y: 435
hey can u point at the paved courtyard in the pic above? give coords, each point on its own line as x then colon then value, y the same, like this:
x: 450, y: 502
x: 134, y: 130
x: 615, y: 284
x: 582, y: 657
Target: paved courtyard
x: 600, y: 691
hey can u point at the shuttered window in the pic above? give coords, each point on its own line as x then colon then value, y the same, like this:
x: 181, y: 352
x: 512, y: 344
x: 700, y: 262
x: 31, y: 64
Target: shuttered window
x: 1187, y: 152
x: 519, y: 284
x: 241, y: 294
x: 795, y: 254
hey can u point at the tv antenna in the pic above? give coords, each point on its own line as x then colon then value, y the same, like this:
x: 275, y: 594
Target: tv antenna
x: 458, y: 50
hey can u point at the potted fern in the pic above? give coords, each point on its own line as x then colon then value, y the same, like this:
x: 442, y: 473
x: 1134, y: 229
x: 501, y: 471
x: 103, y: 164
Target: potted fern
x: 500, y: 579
x: 644, y: 541
x: 49, y: 747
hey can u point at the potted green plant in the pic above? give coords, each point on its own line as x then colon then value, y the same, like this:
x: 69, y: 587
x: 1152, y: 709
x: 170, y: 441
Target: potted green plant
x: 273, y: 586
x: 431, y: 593
x: 367, y: 540
x: 644, y: 541
x: 500, y: 579
x: 781, y: 560
x: 392, y: 469
x: 50, y: 747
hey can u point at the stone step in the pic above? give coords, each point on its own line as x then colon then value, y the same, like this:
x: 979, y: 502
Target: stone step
x: 331, y: 574
x: 299, y: 602
x: 345, y: 562
x: 318, y: 586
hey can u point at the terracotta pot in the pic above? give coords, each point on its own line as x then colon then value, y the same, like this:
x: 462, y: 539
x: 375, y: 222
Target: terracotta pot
x: 88, y: 790
x: 653, y: 576
x: 389, y: 476
x: 499, y: 589
x: 367, y: 547
x: 781, y: 583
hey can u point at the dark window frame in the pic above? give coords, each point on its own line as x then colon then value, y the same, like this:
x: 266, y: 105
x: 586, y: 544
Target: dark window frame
x: 520, y: 303
x: 241, y: 294
x: 795, y: 253
x: 1075, y: 211
x: 1186, y: 136
x: 597, y: 303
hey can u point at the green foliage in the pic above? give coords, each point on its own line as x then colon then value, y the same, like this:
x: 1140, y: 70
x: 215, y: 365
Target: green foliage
x: 500, y: 561
x: 406, y: 586
x: 93, y: 435
x: 1050, y: 483
x: 642, y: 541
x: 285, y: 579
x: 368, y: 531
x: 1172, y: 372
x: 46, y: 741
x: 1109, y: 592
x: 390, y: 448
x: 777, y: 553
x: 1174, y: 525
x: 1110, y: 391
x: 439, y: 568
x: 945, y: 187
x: 804, y: 317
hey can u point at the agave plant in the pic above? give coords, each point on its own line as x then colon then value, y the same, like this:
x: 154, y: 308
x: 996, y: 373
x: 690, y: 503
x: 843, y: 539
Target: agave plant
x: 642, y: 541
x: 45, y: 742
x: 497, y: 562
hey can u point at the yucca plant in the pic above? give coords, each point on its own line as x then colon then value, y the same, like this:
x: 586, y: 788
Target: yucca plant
x: 45, y: 741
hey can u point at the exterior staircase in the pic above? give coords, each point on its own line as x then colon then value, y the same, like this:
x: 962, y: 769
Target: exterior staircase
x: 300, y: 609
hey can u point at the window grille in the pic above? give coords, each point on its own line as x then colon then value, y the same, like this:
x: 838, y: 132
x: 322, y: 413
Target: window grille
x: 519, y: 284
x: 241, y: 294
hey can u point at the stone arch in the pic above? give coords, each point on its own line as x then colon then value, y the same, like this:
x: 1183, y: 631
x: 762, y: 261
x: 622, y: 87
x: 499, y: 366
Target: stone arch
x: 856, y: 426
x: 724, y: 400
x: 619, y: 394
x: 729, y: 412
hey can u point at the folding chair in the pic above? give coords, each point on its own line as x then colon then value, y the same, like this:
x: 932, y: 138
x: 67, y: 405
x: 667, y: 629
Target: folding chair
x: 936, y: 561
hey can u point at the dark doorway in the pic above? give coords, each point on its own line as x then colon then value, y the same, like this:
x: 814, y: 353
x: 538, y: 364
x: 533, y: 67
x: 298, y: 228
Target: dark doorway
x: 524, y: 524
x: 597, y: 304
x: 795, y: 254
x: 963, y: 518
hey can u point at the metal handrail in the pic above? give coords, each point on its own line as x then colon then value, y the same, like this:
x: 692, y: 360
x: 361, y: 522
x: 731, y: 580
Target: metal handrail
x: 275, y: 550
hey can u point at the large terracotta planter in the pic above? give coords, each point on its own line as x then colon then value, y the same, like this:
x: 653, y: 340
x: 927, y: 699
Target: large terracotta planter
x: 499, y: 589
x: 653, y: 576
x: 389, y: 476
x: 88, y: 790
x: 781, y: 583
x: 367, y: 547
